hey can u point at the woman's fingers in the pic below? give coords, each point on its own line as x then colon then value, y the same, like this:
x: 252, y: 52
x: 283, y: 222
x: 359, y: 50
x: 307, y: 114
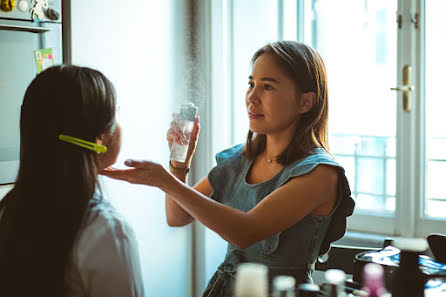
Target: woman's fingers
x: 140, y: 164
x: 195, y: 130
x: 175, y: 133
x: 141, y: 172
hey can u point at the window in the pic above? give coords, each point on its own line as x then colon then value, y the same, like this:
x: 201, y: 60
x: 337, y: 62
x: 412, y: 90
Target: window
x: 395, y: 158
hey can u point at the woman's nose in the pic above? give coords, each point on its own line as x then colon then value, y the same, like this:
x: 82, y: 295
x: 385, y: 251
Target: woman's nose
x: 252, y: 96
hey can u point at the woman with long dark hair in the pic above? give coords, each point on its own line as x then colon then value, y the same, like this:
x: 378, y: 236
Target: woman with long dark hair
x: 58, y: 237
x: 281, y: 198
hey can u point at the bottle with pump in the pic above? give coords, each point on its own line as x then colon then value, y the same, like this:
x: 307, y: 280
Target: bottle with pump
x: 408, y: 280
x: 283, y: 286
x: 373, y: 279
x: 188, y: 113
x: 251, y: 280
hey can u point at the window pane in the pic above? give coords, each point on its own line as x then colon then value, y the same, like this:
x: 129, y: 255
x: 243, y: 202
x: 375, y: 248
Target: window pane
x: 248, y: 36
x: 357, y: 40
x: 435, y: 199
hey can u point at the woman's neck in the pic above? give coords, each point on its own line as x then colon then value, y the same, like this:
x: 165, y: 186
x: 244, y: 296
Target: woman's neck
x: 277, y: 143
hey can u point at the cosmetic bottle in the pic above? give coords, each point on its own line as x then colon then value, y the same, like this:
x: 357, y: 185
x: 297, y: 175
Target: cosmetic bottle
x: 188, y: 113
x: 335, y: 279
x: 408, y: 280
x: 373, y: 279
x: 308, y: 290
x: 251, y: 280
x: 283, y: 286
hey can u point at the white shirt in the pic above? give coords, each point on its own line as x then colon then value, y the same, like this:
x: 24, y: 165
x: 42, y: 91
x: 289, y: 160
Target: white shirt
x: 105, y: 260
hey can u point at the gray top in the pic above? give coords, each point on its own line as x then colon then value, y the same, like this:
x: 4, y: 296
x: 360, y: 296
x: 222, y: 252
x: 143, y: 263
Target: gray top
x: 291, y: 252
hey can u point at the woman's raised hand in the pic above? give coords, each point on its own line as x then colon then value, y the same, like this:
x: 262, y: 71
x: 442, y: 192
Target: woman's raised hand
x: 176, y: 134
x: 141, y: 173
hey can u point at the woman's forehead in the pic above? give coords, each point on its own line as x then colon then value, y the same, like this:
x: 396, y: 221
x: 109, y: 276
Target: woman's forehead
x: 266, y: 65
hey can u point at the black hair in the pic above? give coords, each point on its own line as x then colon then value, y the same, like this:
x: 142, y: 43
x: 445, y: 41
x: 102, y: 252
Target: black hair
x: 56, y: 183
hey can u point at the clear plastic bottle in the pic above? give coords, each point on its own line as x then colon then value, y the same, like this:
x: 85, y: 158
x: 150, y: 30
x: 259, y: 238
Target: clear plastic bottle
x: 188, y: 113
x: 251, y: 280
x: 283, y: 286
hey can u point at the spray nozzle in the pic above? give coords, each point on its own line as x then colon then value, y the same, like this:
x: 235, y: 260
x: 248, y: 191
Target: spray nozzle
x: 188, y: 111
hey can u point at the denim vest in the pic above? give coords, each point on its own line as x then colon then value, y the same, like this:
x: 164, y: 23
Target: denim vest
x: 291, y: 252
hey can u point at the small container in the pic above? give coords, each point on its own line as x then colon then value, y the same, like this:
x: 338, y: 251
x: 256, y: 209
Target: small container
x: 188, y: 113
x: 408, y: 280
x: 335, y: 283
x: 308, y: 290
x: 283, y: 286
x: 251, y: 280
x: 373, y: 277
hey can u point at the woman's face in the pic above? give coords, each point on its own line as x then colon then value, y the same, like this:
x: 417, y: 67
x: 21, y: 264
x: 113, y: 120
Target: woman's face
x: 271, y: 99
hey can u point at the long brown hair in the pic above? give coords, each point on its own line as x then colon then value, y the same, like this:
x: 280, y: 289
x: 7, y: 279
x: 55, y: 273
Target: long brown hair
x: 305, y: 67
x: 42, y: 214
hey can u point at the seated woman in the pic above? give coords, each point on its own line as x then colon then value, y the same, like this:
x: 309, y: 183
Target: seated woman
x: 58, y: 237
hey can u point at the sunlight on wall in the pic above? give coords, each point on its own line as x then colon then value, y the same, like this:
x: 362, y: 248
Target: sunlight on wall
x: 132, y: 46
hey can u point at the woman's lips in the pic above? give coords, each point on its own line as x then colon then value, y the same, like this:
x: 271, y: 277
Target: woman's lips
x: 254, y: 115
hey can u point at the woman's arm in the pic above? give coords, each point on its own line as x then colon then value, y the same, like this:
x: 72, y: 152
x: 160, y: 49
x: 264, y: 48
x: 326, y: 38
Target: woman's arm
x: 312, y: 192
x: 275, y: 213
x: 176, y: 216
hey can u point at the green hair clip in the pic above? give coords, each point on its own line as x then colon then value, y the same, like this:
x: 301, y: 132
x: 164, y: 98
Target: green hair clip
x: 83, y: 143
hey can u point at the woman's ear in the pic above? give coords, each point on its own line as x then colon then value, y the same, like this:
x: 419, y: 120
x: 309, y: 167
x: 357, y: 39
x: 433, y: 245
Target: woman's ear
x: 99, y: 139
x: 307, y: 101
x: 103, y: 139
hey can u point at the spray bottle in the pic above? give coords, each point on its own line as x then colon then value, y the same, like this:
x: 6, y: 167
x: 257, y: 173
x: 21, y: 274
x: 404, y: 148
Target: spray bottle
x: 188, y: 113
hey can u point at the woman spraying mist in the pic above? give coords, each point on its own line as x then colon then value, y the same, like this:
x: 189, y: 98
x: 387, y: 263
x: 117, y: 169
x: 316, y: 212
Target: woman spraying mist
x: 281, y: 198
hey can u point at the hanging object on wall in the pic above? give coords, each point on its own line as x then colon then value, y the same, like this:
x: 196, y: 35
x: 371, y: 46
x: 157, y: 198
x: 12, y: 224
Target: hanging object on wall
x: 22, y: 5
x: 52, y: 14
x: 44, y: 59
x: 38, y: 10
x: 7, y: 5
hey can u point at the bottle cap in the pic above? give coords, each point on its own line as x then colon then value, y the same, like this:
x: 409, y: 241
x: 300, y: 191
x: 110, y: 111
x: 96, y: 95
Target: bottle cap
x: 251, y: 280
x: 188, y: 111
x: 308, y: 290
x: 283, y: 283
x: 335, y: 276
x: 417, y: 245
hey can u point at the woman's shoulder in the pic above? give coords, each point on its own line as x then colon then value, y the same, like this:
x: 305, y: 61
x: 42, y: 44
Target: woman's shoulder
x: 103, y: 220
x: 320, y: 156
x: 232, y: 153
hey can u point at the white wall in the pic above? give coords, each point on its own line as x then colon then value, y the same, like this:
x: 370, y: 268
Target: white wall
x: 131, y: 42
x: 4, y: 189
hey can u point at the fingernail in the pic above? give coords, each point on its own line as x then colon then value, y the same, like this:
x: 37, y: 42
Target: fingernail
x: 128, y: 162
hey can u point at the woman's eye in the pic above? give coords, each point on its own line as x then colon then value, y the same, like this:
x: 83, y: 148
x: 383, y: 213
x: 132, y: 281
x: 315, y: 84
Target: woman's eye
x: 268, y: 87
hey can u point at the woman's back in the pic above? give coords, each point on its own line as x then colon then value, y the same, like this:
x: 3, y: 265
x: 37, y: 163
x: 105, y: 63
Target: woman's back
x: 67, y: 122
x: 104, y: 260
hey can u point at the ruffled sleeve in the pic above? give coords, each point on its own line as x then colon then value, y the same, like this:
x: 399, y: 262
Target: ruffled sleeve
x: 344, y: 209
x: 223, y: 176
x: 345, y: 204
